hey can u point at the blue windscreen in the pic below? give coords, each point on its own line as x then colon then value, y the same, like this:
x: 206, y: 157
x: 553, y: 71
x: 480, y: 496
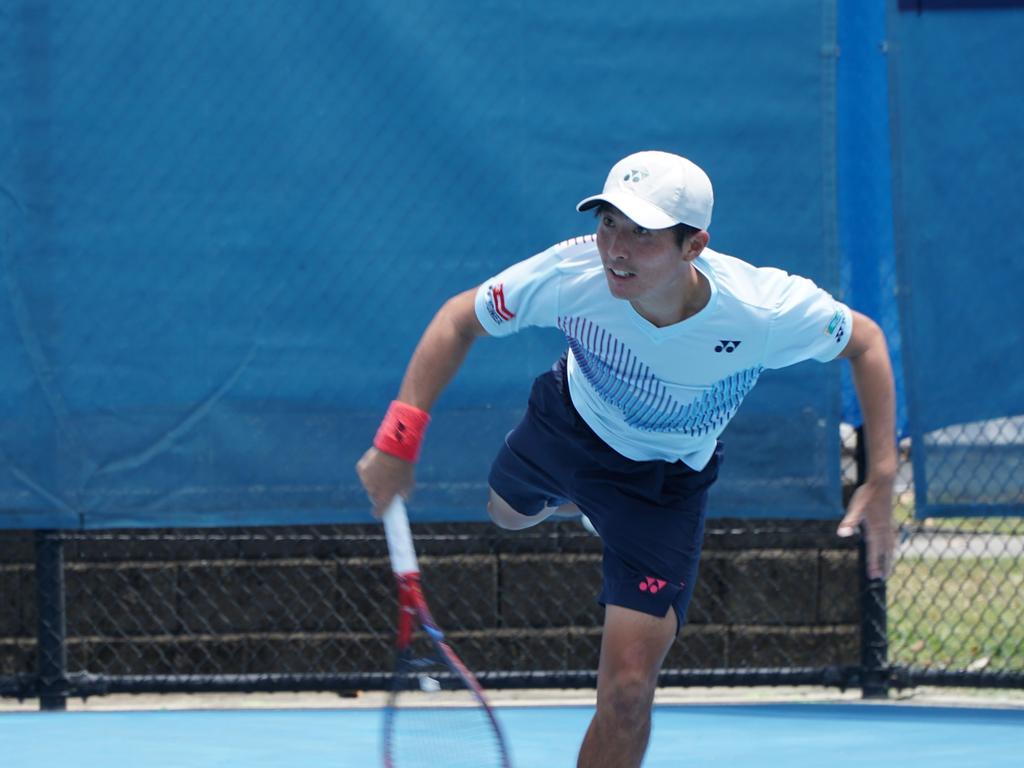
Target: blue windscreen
x: 958, y: 103
x: 226, y: 224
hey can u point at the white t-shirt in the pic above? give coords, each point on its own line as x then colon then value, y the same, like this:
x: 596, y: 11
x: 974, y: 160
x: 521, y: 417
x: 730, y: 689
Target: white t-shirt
x: 665, y: 393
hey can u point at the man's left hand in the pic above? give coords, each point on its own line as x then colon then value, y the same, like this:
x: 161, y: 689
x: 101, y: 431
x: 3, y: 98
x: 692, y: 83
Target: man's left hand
x: 871, y: 505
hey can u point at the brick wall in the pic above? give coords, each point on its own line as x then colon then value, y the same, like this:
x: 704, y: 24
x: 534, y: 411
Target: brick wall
x: 770, y: 593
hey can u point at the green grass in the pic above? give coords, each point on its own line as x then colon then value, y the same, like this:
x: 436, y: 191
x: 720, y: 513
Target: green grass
x: 955, y: 613
x: 903, y: 514
x: 958, y: 613
x: 1007, y: 526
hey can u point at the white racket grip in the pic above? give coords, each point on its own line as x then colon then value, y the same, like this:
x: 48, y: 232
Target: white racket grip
x: 396, y: 530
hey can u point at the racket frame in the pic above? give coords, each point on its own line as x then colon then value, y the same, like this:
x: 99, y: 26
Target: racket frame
x: 413, y: 611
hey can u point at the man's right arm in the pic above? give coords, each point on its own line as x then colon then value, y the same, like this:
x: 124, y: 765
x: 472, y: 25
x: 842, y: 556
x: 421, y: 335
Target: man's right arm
x: 437, y: 358
x: 441, y: 350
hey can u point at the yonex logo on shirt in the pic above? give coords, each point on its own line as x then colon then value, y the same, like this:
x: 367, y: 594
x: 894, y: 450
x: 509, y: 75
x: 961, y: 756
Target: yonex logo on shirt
x: 726, y: 345
x: 645, y: 402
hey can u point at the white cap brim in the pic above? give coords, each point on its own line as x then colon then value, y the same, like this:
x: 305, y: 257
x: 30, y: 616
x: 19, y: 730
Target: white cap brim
x: 647, y: 215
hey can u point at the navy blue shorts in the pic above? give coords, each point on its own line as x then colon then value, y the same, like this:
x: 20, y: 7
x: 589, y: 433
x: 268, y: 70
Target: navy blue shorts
x: 650, y: 514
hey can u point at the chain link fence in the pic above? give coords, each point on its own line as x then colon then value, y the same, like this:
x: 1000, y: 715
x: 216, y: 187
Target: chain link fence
x: 312, y: 608
x: 955, y: 612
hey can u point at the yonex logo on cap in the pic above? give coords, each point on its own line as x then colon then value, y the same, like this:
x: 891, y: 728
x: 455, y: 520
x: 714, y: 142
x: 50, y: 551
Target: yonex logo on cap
x: 657, y: 190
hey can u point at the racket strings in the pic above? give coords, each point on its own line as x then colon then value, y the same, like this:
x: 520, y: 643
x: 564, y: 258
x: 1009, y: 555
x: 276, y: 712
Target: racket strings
x: 431, y: 727
x: 444, y: 736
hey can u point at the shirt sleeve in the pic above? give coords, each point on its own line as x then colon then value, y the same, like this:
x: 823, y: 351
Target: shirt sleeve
x: 521, y: 296
x: 808, y: 324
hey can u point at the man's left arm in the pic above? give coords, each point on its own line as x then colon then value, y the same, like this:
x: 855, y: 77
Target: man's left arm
x: 872, y: 502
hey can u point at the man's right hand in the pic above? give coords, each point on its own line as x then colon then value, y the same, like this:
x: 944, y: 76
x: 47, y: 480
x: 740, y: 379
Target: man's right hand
x: 384, y: 476
x: 438, y: 355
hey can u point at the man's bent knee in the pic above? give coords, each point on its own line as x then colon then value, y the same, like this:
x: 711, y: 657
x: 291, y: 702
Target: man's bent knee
x: 504, y: 516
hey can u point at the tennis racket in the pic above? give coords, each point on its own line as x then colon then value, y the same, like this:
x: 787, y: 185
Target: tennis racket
x: 437, y: 713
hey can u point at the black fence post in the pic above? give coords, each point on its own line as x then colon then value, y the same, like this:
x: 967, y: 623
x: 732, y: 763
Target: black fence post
x: 51, y: 649
x: 874, y: 637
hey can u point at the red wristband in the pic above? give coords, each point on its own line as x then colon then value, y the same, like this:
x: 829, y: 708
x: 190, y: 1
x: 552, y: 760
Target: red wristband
x: 402, y: 430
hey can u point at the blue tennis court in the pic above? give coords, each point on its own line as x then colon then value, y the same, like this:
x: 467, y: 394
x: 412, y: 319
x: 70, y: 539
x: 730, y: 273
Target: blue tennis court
x: 793, y: 735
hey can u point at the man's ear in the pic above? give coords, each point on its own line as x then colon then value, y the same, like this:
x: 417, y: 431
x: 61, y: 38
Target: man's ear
x: 694, y: 245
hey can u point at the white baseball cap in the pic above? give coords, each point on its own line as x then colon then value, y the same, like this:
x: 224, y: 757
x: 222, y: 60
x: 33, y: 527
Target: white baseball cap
x: 657, y: 190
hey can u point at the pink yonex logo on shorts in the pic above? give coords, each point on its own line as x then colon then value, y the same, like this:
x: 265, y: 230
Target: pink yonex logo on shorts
x: 651, y: 584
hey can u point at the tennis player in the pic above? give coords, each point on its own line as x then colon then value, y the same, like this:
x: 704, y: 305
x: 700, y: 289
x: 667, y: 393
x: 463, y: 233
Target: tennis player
x: 665, y: 339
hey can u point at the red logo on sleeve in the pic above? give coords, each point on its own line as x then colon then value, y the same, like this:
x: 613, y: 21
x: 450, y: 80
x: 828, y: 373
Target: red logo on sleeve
x: 496, y: 306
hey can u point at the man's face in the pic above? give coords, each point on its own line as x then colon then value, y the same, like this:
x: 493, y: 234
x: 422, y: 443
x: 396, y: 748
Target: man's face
x: 641, y: 265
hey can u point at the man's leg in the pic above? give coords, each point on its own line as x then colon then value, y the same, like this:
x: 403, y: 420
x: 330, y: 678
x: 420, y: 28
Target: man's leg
x: 505, y: 516
x: 633, y: 647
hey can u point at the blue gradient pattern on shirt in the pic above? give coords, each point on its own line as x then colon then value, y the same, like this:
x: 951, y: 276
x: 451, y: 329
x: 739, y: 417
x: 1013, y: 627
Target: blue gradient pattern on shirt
x: 629, y: 386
